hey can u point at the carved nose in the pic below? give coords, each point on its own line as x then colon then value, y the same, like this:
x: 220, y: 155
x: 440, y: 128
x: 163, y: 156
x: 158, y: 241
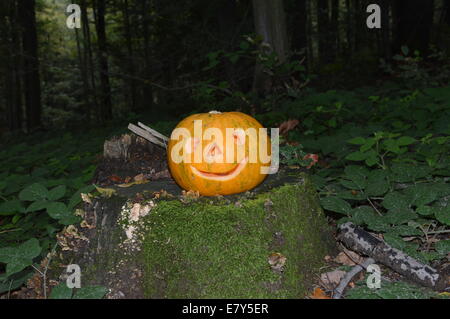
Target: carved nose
x: 214, y: 153
x: 214, y: 150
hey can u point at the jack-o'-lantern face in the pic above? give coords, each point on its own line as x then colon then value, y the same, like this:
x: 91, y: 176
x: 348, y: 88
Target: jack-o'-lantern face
x: 218, y: 153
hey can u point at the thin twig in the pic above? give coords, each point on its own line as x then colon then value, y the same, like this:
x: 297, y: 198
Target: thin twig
x: 338, y: 291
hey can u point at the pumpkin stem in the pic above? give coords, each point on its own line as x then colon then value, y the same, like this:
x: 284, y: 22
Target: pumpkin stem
x: 215, y: 112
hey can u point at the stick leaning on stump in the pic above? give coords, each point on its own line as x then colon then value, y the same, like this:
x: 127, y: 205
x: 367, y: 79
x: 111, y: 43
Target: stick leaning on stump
x: 363, y: 242
x: 149, y: 134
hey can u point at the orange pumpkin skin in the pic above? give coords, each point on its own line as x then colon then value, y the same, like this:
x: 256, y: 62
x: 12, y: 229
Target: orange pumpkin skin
x: 219, y: 177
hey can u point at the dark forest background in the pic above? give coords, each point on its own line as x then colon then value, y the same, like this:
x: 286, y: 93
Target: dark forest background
x: 171, y: 58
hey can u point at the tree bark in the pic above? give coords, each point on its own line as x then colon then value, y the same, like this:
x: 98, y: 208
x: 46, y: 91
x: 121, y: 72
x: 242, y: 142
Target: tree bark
x: 147, y: 91
x: 32, y: 84
x: 298, y: 31
x: 105, y: 98
x: 447, y: 12
x: 385, y: 45
x: 270, y: 24
x: 88, y: 57
x: 12, y: 89
x: 84, y: 78
x: 130, y: 52
x: 324, y: 29
x: 363, y: 242
x: 414, y: 20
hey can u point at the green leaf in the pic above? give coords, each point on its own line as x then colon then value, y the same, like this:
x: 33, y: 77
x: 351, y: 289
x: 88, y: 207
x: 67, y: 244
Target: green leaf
x: 376, y: 223
x: 392, y: 146
x: 357, y: 174
x: 349, y: 184
x: 37, y: 205
x: 69, y: 219
x: 94, y: 292
x: 372, y: 159
x: 405, y: 50
x: 34, y: 192
x: 14, y: 281
x: 368, y: 145
x: 396, y: 201
x: 11, y: 207
x: 377, y: 184
x: 405, y: 140
x: 57, y: 192
x: 57, y: 210
x: 420, y: 194
x: 443, y: 215
x: 351, y: 195
x: 61, y: 292
x: 356, y: 156
x: 443, y: 247
x: 20, y: 257
x: 336, y: 204
x: 408, y: 173
x: 405, y: 230
x: 76, y: 198
x: 399, y: 216
x: 426, y: 210
x: 362, y: 215
x: 357, y: 141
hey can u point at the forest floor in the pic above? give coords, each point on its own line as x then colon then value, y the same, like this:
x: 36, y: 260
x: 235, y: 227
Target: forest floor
x: 384, y: 164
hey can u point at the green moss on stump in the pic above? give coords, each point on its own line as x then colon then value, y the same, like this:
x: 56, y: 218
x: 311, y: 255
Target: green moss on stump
x: 215, y: 250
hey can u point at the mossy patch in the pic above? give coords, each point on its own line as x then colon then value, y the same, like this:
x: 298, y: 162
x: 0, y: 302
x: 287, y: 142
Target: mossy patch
x: 209, y: 249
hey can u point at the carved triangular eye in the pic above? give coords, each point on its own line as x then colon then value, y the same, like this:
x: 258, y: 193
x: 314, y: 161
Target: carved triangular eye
x: 239, y: 136
x: 191, y: 144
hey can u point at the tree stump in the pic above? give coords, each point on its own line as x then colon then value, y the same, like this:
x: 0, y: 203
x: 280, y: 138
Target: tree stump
x: 152, y: 240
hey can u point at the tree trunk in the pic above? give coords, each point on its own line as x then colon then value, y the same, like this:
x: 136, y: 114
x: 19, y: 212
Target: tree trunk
x: 298, y: 29
x: 147, y: 91
x: 32, y: 84
x: 88, y: 57
x: 13, y: 92
x: 385, y: 45
x: 334, y: 32
x: 325, y: 53
x: 105, y: 97
x: 83, y: 70
x: 270, y: 24
x: 414, y: 20
x: 447, y: 12
x: 130, y: 59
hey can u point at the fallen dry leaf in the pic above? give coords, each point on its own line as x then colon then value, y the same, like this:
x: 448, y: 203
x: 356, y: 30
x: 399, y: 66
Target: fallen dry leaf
x: 162, y: 174
x: 313, y: 157
x: 162, y: 194
x: 139, y: 178
x: 106, y: 192
x: 287, y: 126
x: 277, y: 261
x: 144, y: 181
x: 331, y: 279
x: 191, y: 194
x: 115, y: 179
x: 319, y: 294
x: 349, y: 258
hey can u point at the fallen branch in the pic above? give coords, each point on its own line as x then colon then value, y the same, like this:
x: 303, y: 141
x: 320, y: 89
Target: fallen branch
x: 338, y: 291
x: 362, y: 242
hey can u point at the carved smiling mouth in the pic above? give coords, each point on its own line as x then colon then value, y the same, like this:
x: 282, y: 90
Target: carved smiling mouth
x: 222, y: 176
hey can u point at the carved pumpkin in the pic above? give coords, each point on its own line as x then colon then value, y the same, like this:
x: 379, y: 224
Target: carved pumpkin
x: 219, y: 153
